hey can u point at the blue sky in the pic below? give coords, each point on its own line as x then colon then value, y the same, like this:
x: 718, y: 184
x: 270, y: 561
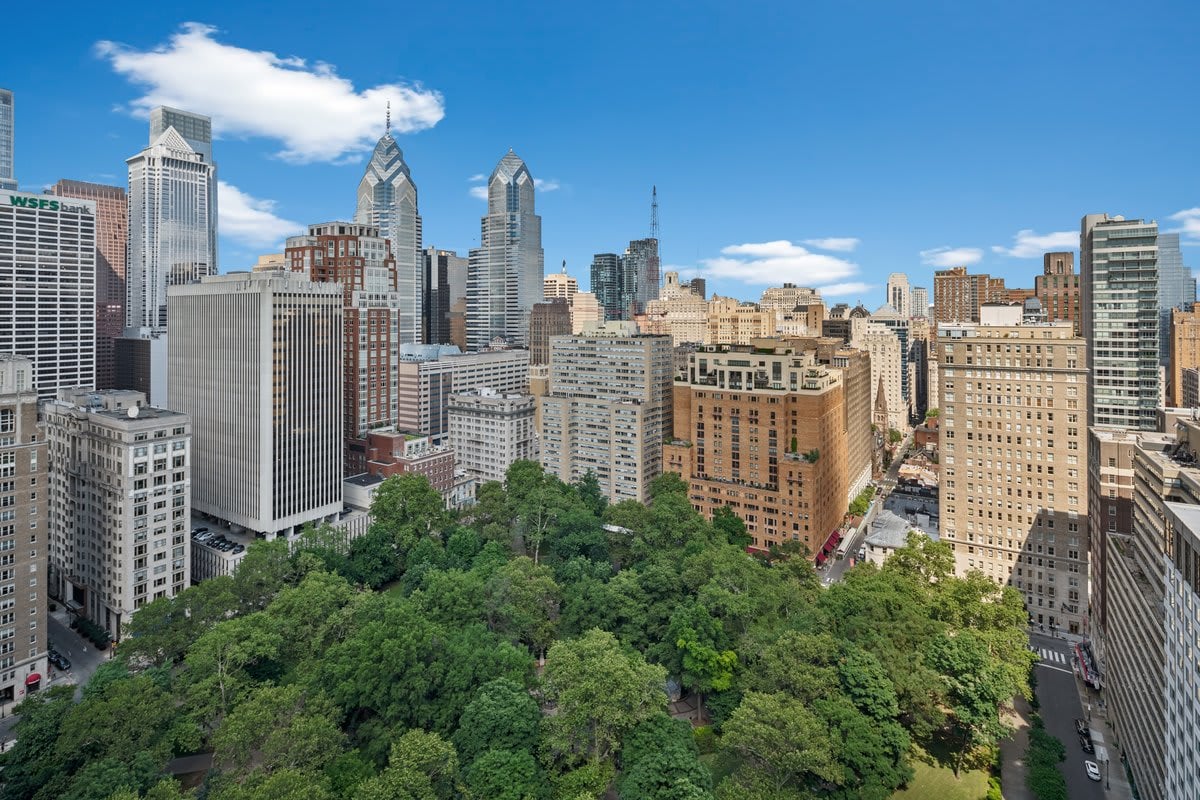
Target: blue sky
x: 931, y: 133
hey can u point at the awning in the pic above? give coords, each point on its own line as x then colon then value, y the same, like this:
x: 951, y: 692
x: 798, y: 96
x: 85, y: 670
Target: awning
x: 821, y: 558
x: 33, y: 678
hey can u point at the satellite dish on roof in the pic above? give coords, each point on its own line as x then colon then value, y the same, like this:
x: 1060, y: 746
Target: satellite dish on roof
x: 132, y: 412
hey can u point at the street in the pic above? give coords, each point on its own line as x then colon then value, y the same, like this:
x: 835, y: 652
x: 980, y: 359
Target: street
x: 1058, y: 694
x: 835, y: 569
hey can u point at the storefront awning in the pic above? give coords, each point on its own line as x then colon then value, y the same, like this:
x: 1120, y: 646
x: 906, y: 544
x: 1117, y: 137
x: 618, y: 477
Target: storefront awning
x: 33, y: 678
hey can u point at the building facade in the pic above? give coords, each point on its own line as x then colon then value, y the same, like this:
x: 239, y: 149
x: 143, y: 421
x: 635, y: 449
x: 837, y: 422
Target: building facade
x: 613, y: 285
x: 172, y: 215
x: 559, y: 284
x: 443, y: 269
x: 1058, y: 289
x: 112, y: 235
x: 551, y: 318
x: 958, y: 295
x: 1183, y: 352
x: 264, y: 390
x: 1176, y: 290
x: 489, y: 431
x: 1118, y: 260
x: 48, y: 287
x: 763, y: 431
x: 585, y: 311
x: 641, y: 259
x: 357, y: 259
x: 119, y: 487
x: 1014, y: 461
x: 887, y: 369
x: 23, y: 535
x: 387, y: 201
x: 899, y: 294
x: 608, y: 409
x: 7, y: 128
x: 786, y: 297
x: 730, y: 321
x: 919, y: 299
x: 505, y: 273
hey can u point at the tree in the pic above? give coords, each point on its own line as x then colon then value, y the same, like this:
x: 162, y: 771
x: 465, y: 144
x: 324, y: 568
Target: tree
x: 659, y: 761
x: 782, y: 739
x: 503, y: 716
x: 523, y: 602
x: 277, y: 727
x: 601, y: 692
x: 374, y: 559
x: 406, y: 506
x: 507, y: 775
x: 162, y: 630
x: 537, y: 500
x: 422, y: 766
x: 730, y: 526
x: 588, y: 491
x: 895, y: 436
x: 31, y: 764
x: 215, y: 675
x: 265, y: 569
x: 922, y: 559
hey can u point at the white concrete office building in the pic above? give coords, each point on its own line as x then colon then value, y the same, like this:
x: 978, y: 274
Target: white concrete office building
x: 263, y: 386
x: 489, y: 431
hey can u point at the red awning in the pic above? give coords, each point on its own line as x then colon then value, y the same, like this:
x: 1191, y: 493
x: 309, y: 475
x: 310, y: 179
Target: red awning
x: 821, y: 558
x: 32, y: 679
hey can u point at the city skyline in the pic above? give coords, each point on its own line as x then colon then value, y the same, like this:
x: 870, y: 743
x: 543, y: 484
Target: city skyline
x: 920, y: 183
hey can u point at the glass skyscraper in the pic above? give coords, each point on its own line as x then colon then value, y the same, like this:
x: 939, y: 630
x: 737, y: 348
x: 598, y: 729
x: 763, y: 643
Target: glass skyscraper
x: 1176, y: 289
x: 387, y: 199
x: 1119, y: 276
x: 172, y: 215
x: 505, y: 273
x: 7, y: 123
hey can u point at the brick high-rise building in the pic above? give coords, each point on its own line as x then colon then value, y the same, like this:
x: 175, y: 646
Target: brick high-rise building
x: 1014, y: 460
x: 551, y: 318
x: 1058, y: 288
x: 764, y: 431
x: 360, y: 260
x: 112, y: 234
x: 23, y: 534
x: 958, y: 295
x: 1184, y: 351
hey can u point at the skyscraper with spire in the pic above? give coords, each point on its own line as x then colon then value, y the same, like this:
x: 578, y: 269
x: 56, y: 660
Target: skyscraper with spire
x: 505, y: 273
x: 387, y: 199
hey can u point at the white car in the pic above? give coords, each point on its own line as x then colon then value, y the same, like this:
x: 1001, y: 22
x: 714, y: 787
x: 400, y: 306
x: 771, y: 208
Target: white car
x: 1093, y: 770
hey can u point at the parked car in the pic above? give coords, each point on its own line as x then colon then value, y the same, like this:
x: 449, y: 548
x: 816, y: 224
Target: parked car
x: 1093, y: 770
x: 1085, y: 742
x: 1081, y: 727
x: 241, y: 548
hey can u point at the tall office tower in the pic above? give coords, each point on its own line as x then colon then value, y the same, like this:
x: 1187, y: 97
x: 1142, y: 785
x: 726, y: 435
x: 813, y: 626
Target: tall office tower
x: 784, y: 298
x: 559, y: 284
x: 1058, y: 288
x: 48, y: 291
x: 22, y: 523
x: 899, y: 294
x: 1176, y: 289
x: 428, y: 374
x: 552, y: 318
x: 361, y: 262
x: 920, y: 343
x: 585, y: 311
x: 1013, y: 402
x: 613, y: 286
x: 902, y: 327
x: 120, y: 474
x: 112, y: 235
x: 172, y: 216
x: 642, y: 262
x: 958, y: 295
x: 887, y: 370
x: 505, y: 273
x: 763, y: 429
x: 387, y: 200
x: 438, y: 299
x: 919, y: 300
x: 7, y: 128
x: 1183, y: 352
x: 609, y: 409
x: 263, y: 387
x: 489, y: 431
x: 1118, y: 270
x: 1150, y: 630
x: 698, y: 286
x: 732, y: 322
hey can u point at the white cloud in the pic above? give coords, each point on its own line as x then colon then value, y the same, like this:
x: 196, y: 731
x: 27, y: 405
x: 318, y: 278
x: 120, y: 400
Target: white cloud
x: 951, y: 256
x: 478, y: 192
x: 316, y: 115
x: 478, y: 177
x: 546, y: 185
x: 1190, y: 223
x: 1027, y: 244
x: 772, y: 263
x: 839, y: 244
x: 843, y: 289
x: 250, y: 220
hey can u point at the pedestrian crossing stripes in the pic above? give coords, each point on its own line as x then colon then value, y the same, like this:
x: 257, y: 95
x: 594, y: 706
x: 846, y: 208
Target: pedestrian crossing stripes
x: 1051, y: 656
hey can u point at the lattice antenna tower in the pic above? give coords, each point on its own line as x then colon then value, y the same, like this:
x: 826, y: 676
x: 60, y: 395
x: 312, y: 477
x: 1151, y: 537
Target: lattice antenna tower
x: 654, y: 212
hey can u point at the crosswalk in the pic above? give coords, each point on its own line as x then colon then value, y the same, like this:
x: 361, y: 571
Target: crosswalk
x: 1050, y: 656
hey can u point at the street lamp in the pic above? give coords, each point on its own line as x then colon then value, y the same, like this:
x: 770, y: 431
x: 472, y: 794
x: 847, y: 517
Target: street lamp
x: 1107, y: 783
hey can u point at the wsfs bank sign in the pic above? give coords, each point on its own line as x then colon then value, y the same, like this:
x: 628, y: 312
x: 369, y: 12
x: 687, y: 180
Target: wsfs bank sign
x: 46, y: 203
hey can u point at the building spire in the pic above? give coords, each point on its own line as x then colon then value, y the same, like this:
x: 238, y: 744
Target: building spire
x: 388, y: 122
x: 564, y: 270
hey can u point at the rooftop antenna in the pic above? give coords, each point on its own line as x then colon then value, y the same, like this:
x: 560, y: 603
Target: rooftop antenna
x: 564, y: 271
x: 388, y: 123
x: 654, y: 212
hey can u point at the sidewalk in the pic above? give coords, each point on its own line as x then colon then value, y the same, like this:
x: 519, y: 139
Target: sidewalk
x: 1013, y: 751
x: 1097, y: 713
